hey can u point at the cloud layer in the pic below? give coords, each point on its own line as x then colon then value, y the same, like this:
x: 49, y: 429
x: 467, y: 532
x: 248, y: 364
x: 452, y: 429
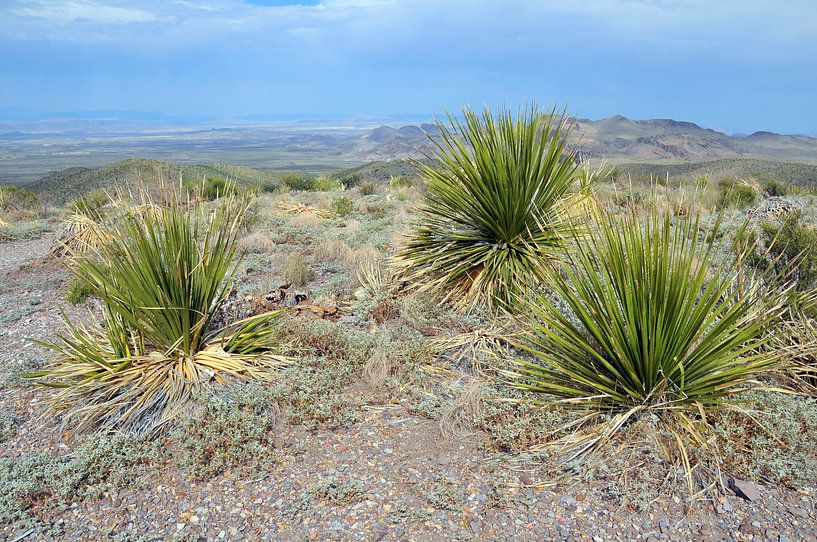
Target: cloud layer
x: 732, y: 64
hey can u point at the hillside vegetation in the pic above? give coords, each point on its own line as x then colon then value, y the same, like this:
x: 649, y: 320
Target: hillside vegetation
x: 66, y: 185
x: 502, y: 343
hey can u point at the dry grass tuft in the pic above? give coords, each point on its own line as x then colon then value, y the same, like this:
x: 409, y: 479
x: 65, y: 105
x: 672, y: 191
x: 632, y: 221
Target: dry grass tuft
x: 332, y: 250
x: 296, y: 271
x: 459, y: 417
x: 256, y: 243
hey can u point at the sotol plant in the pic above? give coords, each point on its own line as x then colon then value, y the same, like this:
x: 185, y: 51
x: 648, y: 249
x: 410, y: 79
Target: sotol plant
x: 162, y: 275
x: 658, y: 327
x: 495, y: 207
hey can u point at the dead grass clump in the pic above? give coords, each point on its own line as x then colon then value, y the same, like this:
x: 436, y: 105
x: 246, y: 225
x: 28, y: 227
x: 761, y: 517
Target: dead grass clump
x: 352, y: 226
x: 256, y: 243
x: 377, y: 369
x: 365, y: 255
x: 305, y: 220
x: 332, y: 250
x: 461, y: 417
x: 293, y: 208
x: 296, y: 271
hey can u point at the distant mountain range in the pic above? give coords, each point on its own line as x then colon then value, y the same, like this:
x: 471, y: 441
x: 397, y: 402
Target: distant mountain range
x: 619, y: 139
x: 32, y: 150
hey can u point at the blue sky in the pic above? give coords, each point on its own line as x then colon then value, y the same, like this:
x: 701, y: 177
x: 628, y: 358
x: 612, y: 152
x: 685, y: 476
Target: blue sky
x: 734, y: 65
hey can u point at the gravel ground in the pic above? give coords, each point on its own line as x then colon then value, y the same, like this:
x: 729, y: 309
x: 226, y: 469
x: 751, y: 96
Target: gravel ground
x: 390, y: 476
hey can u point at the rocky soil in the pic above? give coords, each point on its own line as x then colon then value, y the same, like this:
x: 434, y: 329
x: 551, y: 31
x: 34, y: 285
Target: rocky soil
x: 392, y: 475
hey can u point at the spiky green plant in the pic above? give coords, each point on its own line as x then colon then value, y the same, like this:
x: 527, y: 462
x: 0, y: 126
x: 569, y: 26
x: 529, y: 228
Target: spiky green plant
x: 162, y: 275
x: 495, y: 207
x: 655, y: 324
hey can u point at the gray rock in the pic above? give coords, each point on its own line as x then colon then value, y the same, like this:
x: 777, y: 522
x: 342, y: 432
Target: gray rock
x: 568, y: 500
x: 744, y: 489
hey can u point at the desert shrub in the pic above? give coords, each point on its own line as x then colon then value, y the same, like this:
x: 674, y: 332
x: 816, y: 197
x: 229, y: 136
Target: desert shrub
x: 652, y: 328
x: 8, y: 427
x: 78, y: 291
x: 212, y: 188
x: 343, y: 206
x: 778, y: 445
x: 367, y: 188
x: 297, y: 181
x: 400, y: 181
x: 377, y: 209
x: 325, y: 184
x: 295, y: 270
x: 630, y: 199
x: 495, y: 210
x: 15, y: 198
x: 331, y: 250
x: 791, y: 248
x: 90, y: 204
x: 28, y: 229
x: 230, y: 430
x: 736, y: 193
x: 311, y: 391
x: 42, y: 480
x: 316, y: 391
x: 351, y: 179
x: 775, y: 189
x: 337, y: 493
x: 162, y: 278
x: 514, y: 421
x: 256, y: 243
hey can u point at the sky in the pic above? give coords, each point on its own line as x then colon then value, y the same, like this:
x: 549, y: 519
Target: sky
x: 733, y: 65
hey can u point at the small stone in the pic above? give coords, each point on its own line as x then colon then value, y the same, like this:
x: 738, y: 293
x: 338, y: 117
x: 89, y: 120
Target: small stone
x: 598, y: 539
x: 744, y: 489
x: 664, y: 525
x: 476, y: 526
x: 443, y: 459
x: 646, y: 526
x: 568, y: 500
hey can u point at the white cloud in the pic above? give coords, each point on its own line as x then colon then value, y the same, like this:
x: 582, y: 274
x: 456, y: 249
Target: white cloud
x: 68, y: 11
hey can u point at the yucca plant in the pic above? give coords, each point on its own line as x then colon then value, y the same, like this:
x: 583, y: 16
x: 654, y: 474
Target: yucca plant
x: 496, y: 206
x: 653, y: 324
x: 80, y: 233
x: 162, y: 276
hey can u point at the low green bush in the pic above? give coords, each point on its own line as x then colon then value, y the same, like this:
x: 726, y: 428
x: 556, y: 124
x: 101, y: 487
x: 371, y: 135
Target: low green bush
x: 789, y: 249
x: 367, y: 188
x: 212, y: 188
x: 343, y: 206
x: 325, y: 184
x: 656, y: 329
x: 8, y: 426
x: 78, y: 291
x: 736, y: 193
x: 775, y: 189
x: 350, y: 180
x: 15, y: 198
x: 298, y: 181
x: 90, y: 204
x: 44, y: 481
x: 230, y: 430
